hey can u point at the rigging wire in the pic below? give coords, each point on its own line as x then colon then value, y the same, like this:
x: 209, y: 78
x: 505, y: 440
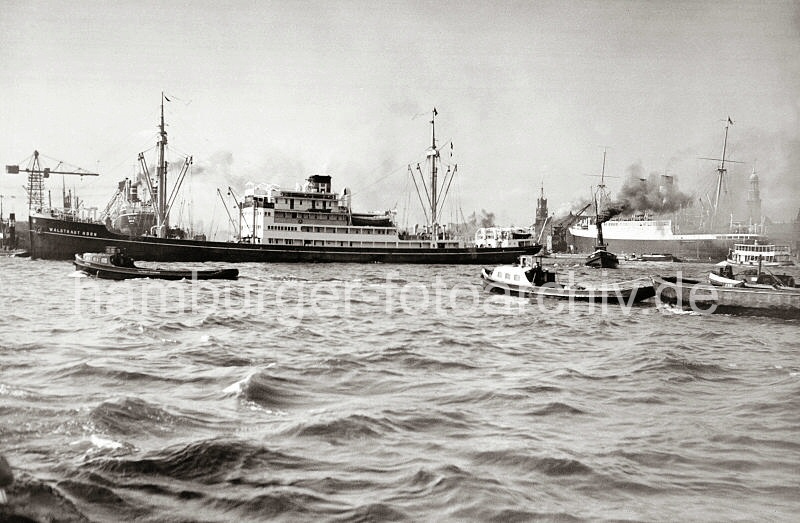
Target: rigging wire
x: 213, y: 218
x: 407, y: 192
x: 390, y: 173
x: 393, y: 171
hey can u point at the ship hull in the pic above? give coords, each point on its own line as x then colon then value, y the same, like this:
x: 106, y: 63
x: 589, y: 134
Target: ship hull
x: 700, y: 249
x: 57, y: 239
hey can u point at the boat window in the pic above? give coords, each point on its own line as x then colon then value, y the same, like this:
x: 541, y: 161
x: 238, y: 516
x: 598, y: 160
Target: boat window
x: 516, y: 277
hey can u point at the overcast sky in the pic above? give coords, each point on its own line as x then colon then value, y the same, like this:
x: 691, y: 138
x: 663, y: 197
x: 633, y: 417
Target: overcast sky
x: 528, y: 92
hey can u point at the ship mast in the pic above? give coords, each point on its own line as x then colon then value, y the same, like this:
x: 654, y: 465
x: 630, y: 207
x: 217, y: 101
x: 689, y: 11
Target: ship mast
x: 602, y: 187
x: 721, y: 171
x: 433, y: 154
x: 435, y: 192
x: 600, y: 200
x: 162, y: 204
x: 161, y: 174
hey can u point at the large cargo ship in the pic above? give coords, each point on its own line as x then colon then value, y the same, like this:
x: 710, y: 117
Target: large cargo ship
x: 645, y: 231
x: 641, y: 234
x: 309, y: 224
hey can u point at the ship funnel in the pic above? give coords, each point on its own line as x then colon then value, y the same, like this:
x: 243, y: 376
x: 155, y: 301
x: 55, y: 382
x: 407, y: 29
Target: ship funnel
x: 344, y: 198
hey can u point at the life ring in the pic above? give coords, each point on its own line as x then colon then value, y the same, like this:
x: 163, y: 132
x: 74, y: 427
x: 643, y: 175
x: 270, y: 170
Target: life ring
x: 300, y: 220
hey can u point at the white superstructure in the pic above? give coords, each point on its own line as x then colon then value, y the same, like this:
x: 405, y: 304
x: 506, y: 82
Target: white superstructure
x: 637, y: 229
x: 316, y: 216
x: 503, y: 237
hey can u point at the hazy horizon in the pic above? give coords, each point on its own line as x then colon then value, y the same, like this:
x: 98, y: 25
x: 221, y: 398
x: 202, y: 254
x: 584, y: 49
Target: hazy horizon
x: 529, y: 93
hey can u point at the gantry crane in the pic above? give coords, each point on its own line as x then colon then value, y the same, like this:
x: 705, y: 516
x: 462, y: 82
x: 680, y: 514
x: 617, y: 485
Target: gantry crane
x: 36, y: 176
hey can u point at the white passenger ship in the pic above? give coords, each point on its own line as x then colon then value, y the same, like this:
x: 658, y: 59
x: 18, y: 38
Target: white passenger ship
x: 641, y: 234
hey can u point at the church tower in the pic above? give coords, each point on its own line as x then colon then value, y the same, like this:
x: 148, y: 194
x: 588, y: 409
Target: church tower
x: 541, y: 210
x: 754, y: 203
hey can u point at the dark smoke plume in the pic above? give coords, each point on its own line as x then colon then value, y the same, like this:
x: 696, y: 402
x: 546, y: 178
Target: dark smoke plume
x: 655, y: 193
x: 612, y: 209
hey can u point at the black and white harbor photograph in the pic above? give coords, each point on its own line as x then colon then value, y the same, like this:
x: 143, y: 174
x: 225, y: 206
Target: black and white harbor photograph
x: 404, y: 260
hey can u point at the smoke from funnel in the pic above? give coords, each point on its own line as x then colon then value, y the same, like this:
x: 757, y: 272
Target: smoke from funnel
x: 612, y: 209
x: 657, y: 193
x: 653, y: 192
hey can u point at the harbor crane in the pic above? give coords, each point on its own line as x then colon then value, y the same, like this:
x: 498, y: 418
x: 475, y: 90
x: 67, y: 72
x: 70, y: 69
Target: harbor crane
x: 36, y: 176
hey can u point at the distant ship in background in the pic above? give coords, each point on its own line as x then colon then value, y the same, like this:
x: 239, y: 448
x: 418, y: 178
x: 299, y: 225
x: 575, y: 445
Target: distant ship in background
x: 683, y: 234
x: 309, y: 224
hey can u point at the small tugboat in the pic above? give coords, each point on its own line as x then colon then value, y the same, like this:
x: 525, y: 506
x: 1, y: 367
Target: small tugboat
x: 528, y: 279
x: 8, y: 236
x: 116, y: 265
x: 601, y: 257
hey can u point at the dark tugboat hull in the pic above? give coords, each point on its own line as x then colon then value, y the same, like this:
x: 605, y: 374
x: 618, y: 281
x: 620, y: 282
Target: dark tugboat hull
x: 158, y: 274
x: 57, y: 239
x: 602, y: 259
x: 110, y: 272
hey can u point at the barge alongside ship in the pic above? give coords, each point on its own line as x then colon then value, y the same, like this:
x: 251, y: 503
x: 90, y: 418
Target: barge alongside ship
x: 311, y: 224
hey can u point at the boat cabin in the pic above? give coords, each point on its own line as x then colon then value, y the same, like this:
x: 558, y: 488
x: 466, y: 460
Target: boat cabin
x: 527, y: 271
x: 113, y: 256
x: 755, y: 253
